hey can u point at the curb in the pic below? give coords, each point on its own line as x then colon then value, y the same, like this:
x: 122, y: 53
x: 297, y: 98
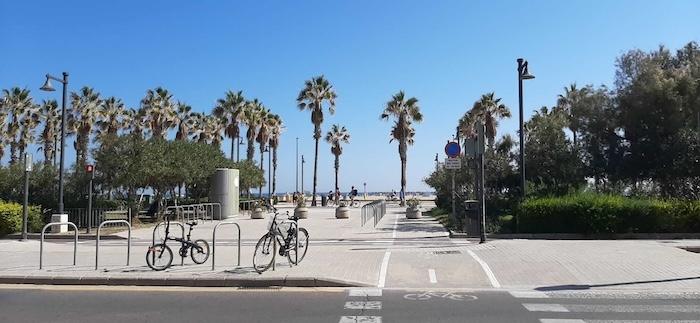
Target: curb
x: 579, y: 236
x: 181, y: 282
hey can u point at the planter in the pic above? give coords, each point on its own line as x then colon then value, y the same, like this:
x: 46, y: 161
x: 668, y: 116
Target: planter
x: 342, y: 212
x: 257, y: 214
x: 301, y: 212
x: 413, y: 213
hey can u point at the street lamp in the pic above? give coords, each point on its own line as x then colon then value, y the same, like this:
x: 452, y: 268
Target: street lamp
x: 268, y: 149
x: 523, y: 74
x: 302, y: 174
x: 238, y: 149
x: 49, y: 88
x: 296, y: 170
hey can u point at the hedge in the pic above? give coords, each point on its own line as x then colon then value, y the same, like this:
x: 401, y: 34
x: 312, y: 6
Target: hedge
x: 11, y: 218
x: 594, y: 213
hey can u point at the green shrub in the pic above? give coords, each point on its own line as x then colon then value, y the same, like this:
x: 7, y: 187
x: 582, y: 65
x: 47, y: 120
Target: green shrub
x: 593, y: 213
x: 11, y: 218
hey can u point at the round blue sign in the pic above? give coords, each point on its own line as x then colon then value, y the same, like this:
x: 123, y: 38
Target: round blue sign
x: 452, y: 149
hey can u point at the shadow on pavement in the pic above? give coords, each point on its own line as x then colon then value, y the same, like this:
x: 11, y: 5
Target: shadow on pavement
x: 586, y: 286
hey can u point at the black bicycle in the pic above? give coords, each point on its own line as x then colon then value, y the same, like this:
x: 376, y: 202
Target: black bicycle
x: 160, y: 256
x: 283, y: 238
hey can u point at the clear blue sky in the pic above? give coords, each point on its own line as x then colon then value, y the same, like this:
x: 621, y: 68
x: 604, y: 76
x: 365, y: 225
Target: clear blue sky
x: 445, y: 53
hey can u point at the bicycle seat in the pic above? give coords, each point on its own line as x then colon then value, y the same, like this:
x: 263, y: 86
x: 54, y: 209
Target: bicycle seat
x: 192, y: 223
x: 293, y: 218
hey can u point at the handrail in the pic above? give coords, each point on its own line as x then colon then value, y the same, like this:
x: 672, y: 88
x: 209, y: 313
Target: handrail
x: 97, y: 240
x: 75, y: 241
x: 213, y: 242
x: 153, y: 243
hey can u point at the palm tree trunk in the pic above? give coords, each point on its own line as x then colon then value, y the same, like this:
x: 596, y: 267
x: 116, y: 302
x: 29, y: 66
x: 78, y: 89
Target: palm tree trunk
x: 274, y: 170
x: 337, y: 167
x: 250, y: 150
x: 262, y: 156
x: 402, y: 155
x: 233, y: 146
x: 317, y: 136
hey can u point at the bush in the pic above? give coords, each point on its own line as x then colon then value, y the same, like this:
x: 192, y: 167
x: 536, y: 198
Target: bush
x: 594, y: 213
x: 11, y: 218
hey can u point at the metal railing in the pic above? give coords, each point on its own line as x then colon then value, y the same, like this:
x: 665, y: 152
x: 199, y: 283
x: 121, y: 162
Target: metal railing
x: 374, y: 211
x: 97, y: 240
x: 79, y: 216
x: 153, y: 242
x: 213, y: 242
x: 199, y: 211
x: 75, y: 241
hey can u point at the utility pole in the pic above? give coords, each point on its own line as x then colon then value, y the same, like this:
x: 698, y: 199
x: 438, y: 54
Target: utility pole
x: 269, y: 173
x: 302, y: 174
x: 482, y: 193
x: 296, y: 170
x: 25, y: 207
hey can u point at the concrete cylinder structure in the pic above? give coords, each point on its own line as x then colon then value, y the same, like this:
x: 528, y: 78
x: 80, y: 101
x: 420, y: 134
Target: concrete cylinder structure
x: 225, y: 189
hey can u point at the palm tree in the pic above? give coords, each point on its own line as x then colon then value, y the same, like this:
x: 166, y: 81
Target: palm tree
x: 16, y: 102
x: 159, y: 109
x: 111, y: 118
x: 572, y: 102
x: 84, y: 112
x: 263, y: 137
x: 405, y: 111
x: 135, y: 121
x: 51, y: 116
x: 30, y: 120
x: 275, y: 134
x: 489, y: 110
x: 251, y: 118
x: 311, y: 97
x: 3, y: 126
x: 337, y: 136
x: 229, y: 109
x: 185, y: 121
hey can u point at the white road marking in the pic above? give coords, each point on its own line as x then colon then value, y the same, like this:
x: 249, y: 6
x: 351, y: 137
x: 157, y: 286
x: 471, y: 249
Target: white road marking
x: 431, y: 275
x: 364, y: 292
x: 385, y: 261
x: 561, y: 321
x: 360, y: 305
x: 528, y: 294
x: 360, y: 319
x: 545, y: 307
x: 613, y: 321
x: 487, y: 270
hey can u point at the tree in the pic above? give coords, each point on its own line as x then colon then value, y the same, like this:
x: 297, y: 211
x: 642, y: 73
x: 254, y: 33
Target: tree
x: 252, y: 113
x: 230, y: 108
x: 16, y: 102
x: 405, y: 112
x: 263, y: 137
x: 316, y: 91
x: 185, y: 121
x: 135, y: 121
x: 159, y: 111
x: 487, y: 110
x: 573, y: 103
x: 84, y: 112
x: 275, y: 134
x: 30, y: 121
x: 52, y: 121
x: 111, y: 118
x: 337, y: 136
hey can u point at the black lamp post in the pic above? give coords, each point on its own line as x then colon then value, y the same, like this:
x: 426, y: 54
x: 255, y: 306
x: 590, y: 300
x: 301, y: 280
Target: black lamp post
x: 48, y: 87
x: 523, y: 74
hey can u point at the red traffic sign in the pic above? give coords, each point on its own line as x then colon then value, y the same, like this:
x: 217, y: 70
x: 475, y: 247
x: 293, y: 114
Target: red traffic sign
x: 89, y: 168
x: 452, y: 149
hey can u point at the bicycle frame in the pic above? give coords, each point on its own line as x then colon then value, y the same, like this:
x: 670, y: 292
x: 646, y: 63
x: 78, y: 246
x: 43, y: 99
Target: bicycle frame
x: 275, y: 231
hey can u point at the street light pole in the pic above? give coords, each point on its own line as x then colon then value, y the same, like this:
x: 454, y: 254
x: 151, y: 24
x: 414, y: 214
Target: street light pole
x: 522, y: 75
x: 47, y: 87
x: 296, y: 170
x: 269, y: 173
x: 302, y: 174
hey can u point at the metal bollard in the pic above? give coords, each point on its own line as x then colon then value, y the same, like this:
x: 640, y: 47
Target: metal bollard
x: 97, y: 241
x: 75, y: 241
x: 213, y: 242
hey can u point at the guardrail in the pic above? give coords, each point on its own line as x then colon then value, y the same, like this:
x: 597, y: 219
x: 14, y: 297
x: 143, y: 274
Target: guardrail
x: 153, y: 242
x: 199, y: 211
x: 213, y: 242
x: 97, y: 240
x: 75, y: 241
x: 374, y: 210
x: 79, y: 216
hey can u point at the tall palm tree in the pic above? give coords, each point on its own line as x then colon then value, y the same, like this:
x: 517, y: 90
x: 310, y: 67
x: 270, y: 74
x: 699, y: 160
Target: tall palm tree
x: 251, y: 118
x: 84, y: 112
x: 110, y: 119
x: 263, y: 137
x: 16, y: 102
x: 316, y: 91
x: 30, y: 120
x: 214, y: 128
x: 51, y: 116
x: 229, y: 109
x: 159, y: 109
x: 336, y: 137
x: 275, y: 134
x: 3, y: 126
x: 489, y: 110
x: 405, y: 111
x: 185, y: 121
x: 135, y: 121
x: 572, y: 102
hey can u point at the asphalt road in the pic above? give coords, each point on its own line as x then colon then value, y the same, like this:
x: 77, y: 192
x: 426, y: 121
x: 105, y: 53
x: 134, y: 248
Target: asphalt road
x: 131, y: 304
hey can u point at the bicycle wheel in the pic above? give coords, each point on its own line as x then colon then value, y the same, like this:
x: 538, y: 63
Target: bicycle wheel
x: 159, y: 257
x: 264, y: 253
x: 303, y: 246
x: 200, y: 251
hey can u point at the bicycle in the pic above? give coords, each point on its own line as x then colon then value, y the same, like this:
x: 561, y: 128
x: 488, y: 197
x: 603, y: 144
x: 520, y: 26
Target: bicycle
x: 285, y: 245
x: 160, y: 256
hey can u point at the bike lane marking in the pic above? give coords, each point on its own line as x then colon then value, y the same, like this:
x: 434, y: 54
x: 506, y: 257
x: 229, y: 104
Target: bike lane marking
x: 387, y: 254
x: 431, y: 276
x: 487, y: 270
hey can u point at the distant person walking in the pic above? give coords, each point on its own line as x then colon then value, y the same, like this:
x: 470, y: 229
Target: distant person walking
x: 353, y: 194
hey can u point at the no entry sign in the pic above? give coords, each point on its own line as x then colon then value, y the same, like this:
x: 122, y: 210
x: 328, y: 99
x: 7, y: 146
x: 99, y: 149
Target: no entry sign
x: 452, y: 149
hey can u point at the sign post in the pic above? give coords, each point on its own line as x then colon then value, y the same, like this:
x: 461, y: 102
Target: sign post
x: 453, y: 162
x: 25, y: 206
x: 90, y: 170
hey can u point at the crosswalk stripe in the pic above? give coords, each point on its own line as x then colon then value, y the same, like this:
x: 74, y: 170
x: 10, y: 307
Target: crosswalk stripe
x: 528, y: 294
x: 360, y: 319
x: 613, y: 321
x: 586, y: 308
x: 364, y: 292
x: 545, y: 307
x: 359, y: 305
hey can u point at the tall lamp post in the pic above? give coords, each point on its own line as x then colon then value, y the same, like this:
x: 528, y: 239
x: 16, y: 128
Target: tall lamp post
x: 302, y: 174
x: 296, y: 170
x: 269, y: 172
x: 48, y: 87
x: 523, y: 74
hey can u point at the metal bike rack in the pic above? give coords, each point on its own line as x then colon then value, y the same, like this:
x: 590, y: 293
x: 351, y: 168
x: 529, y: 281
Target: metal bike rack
x: 213, y: 242
x: 97, y: 240
x: 41, y: 244
x: 153, y: 243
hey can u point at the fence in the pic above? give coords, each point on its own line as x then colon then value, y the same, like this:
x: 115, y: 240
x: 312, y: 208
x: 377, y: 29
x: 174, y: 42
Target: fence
x: 374, y: 211
x: 79, y: 216
x: 201, y: 211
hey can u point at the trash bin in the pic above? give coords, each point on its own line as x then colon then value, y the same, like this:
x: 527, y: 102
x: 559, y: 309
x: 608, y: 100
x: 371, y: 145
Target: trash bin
x: 324, y: 200
x: 471, y: 222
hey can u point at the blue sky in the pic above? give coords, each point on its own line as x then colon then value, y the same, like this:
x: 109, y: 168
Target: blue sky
x: 445, y: 53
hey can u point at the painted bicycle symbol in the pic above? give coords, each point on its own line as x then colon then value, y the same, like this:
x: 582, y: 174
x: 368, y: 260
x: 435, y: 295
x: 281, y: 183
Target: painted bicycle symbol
x: 424, y: 296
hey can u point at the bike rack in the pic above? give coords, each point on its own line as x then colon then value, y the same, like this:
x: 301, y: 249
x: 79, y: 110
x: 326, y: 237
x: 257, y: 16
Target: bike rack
x: 213, y: 242
x: 97, y: 240
x: 153, y: 243
x: 41, y: 244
